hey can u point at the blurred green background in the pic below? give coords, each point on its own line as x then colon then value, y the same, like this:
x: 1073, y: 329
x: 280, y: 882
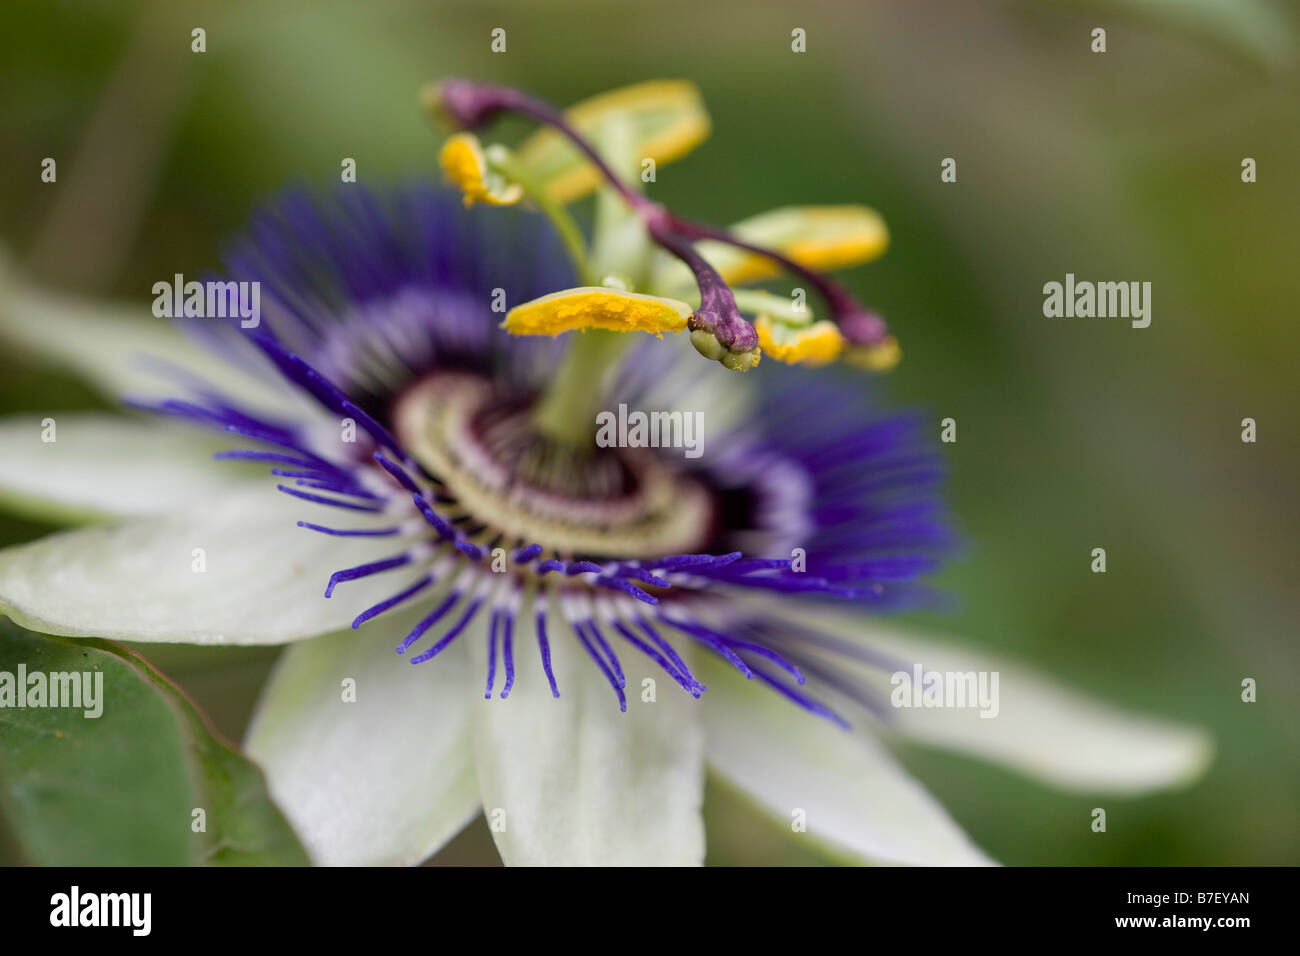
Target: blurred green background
x: 1072, y: 434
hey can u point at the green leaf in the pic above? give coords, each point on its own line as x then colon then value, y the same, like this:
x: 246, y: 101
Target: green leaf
x: 120, y: 788
x: 250, y: 830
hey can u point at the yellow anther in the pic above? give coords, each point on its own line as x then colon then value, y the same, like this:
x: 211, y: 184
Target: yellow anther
x: 821, y: 238
x: 816, y: 344
x: 463, y: 161
x: 593, y: 307
x: 876, y: 358
x: 666, y: 120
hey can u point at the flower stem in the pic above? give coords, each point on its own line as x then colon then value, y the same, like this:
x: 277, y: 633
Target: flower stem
x: 567, y: 410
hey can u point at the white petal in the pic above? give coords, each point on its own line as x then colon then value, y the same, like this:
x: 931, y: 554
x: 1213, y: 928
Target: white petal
x: 1044, y: 728
x: 572, y: 781
x: 121, y: 349
x: 384, y: 779
x: 264, y: 581
x: 853, y: 794
x: 103, y: 466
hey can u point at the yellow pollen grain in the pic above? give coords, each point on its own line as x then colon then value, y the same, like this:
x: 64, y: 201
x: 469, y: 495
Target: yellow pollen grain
x: 597, y: 308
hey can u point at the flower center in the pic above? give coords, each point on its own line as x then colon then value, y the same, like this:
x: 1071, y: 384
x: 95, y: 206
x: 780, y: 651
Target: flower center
x: 509, y: 480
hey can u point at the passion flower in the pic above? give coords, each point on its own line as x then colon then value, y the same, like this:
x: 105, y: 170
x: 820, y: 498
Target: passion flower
x: 424, y: 387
